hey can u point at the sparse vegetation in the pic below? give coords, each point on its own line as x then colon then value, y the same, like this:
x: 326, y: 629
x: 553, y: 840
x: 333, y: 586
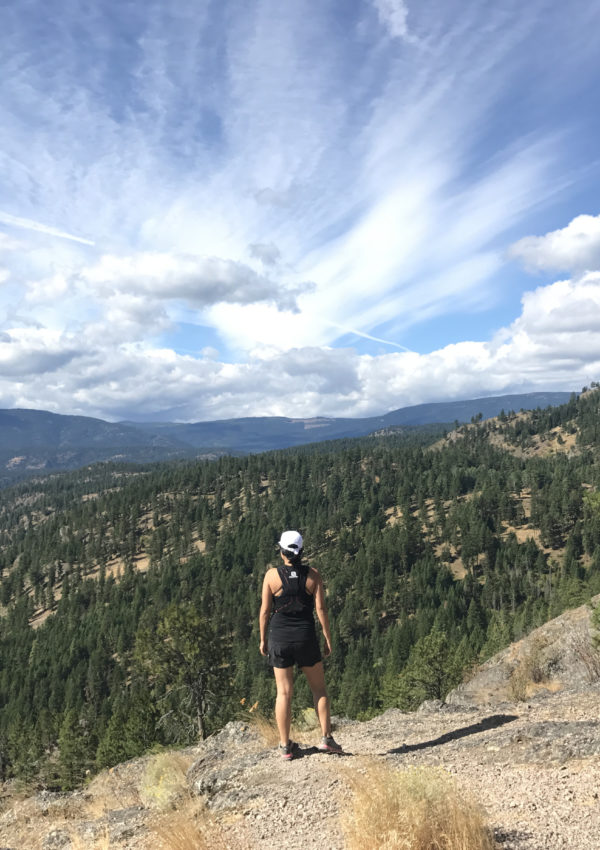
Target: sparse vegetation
x: 191, y: 828
x: 79, y: 843
x: 163, y: 784
x: 302, y: 729
x: 417, y: 809
x: 532, y: 669
x: 588, y: 654
x: 587, y: 647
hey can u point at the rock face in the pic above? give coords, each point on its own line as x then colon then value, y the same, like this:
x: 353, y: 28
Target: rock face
x: 551, y: 658
x: 219, y: 773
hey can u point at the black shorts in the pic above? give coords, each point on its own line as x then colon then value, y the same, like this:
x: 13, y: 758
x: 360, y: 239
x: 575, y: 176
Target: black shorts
x: 304, y: 653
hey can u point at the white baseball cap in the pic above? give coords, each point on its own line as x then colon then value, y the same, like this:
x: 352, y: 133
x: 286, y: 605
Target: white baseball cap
x: 291, y: 541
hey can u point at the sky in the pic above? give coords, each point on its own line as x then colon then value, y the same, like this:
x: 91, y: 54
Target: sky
x: 300, y: 208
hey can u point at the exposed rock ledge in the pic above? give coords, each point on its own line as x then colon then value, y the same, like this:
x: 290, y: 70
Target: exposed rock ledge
x: 557, y: 653
x: 534, y: 767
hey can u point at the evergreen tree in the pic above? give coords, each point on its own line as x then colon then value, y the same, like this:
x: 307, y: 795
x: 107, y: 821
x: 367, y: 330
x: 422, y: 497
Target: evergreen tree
x: 430, y: 673
x: 73, y: 752
x: 185, y: 660
x: 112, y: 748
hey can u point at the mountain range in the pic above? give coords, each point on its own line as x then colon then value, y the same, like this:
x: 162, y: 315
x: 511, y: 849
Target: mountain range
x: 34, y: 441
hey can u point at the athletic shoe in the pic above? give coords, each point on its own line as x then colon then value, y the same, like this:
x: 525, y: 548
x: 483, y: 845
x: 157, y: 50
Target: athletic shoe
x: 328, y: 745
x: 287, y: 751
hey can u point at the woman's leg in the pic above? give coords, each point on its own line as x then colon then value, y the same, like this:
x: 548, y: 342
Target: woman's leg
x: 284, y: 679
x: 316, y: 679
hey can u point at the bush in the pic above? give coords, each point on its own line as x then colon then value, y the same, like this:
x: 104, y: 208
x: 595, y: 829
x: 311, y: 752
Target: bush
x: 417, y: 809
x: 533, y: 669
x: 191, y: 828
x: 164, y: 783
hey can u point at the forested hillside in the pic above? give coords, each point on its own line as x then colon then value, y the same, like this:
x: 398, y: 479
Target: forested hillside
x: 429, y: 548
x: 36, y: 442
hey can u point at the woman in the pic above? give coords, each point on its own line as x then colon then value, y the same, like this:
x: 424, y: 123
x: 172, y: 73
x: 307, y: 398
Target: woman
x: 294, y: 591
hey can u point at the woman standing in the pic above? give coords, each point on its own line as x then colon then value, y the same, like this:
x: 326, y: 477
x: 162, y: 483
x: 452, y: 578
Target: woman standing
x: 294, y: 590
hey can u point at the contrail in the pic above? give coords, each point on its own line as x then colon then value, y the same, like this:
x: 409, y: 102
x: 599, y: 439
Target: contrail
x: 369, y: 336
x: 378, y: 339
x: 28, y: 224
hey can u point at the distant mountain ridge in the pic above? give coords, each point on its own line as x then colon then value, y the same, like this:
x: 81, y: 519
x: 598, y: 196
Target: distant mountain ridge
x: 40, y: 441
x: 256, y: 434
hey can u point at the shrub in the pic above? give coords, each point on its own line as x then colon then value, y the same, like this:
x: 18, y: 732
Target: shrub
x: 533, y: 669
x: 187, y: 829
x: 588, y: 654
x: 164, y: 783
x: 416, y: 809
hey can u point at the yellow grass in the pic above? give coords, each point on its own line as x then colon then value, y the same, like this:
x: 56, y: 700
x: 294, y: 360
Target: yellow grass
x: 190, y: 829
x: 416, y: 809
x: 78, y: 843
x: 164, y: 781
x: 267, y: 728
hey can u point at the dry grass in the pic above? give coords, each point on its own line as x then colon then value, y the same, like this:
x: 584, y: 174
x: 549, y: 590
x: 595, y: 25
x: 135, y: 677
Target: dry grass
x: 265, y: 726
x: 586, y: 654
x: 190, y: 828
x: 303, y: 732
x: 116, y: 788
x: 164, y: 781
x: 417, y: 809
x: 531, y: 671
x: 78, y: 843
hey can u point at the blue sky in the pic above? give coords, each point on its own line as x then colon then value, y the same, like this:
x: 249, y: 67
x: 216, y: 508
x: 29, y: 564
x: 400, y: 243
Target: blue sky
x: 217, y: 209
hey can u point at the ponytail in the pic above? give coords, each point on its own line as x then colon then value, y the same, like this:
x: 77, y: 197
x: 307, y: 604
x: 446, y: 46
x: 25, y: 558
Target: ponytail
x: 295, y: 559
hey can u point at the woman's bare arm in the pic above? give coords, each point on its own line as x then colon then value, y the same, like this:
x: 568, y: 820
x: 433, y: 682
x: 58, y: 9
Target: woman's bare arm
x: 265, y: 610
x: 321, y: 609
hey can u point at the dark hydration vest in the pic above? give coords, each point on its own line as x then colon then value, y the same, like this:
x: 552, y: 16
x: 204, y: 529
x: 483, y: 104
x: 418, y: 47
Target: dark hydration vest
x: 294, y: 600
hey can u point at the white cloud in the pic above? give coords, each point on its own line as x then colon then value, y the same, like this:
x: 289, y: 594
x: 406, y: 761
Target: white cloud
x: 323, y: 171
x: 554, y: 344
x: 199, y: 281
x: 393, y: 15
x: 268, y: 253
x: 221, y: 155
x: 26, y: 352
x: 573, y: 248
x: 7, y: 243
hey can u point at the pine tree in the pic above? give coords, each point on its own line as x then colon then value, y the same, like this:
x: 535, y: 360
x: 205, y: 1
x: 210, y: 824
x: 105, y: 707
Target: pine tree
x: 73, y: 755
x: 185, y: 660
x: 112, y: 747
x: 432, y: 671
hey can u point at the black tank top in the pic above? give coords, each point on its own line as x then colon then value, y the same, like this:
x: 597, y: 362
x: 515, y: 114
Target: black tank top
x: 293, y: 608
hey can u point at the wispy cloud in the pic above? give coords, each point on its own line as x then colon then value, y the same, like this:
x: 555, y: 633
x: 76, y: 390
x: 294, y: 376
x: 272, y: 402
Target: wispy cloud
x: 393, y: 14
x: 222, y: 156
x: 28, y: 224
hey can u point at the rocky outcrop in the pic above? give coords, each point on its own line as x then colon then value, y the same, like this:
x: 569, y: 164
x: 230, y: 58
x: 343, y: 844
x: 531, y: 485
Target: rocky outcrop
x: 553, y: 657
x: 533, y: 764
x: 219, y: 774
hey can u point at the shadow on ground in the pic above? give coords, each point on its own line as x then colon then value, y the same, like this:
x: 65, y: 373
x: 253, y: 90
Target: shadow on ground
x: 510, y: 839
x: 492, y: 722
x: 313, y: 751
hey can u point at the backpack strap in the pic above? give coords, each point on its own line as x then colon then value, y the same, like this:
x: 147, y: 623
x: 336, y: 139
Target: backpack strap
x: 293, y: 595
